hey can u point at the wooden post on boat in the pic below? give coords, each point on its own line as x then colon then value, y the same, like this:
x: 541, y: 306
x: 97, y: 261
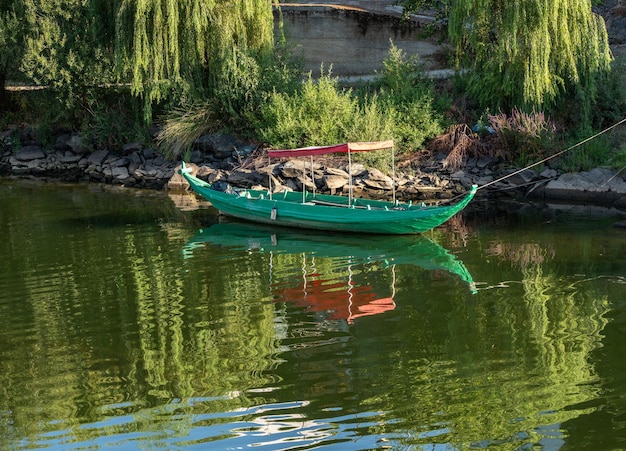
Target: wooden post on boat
x: 349, y: 177
x: 313, y: 176
x: 393, y: 172
x: 269, y: 175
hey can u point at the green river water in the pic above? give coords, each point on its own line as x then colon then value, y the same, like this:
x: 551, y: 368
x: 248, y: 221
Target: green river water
x: 128, y: 322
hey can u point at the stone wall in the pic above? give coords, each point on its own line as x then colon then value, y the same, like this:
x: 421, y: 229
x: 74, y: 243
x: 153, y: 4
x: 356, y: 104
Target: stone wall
x: 353, y: 36
x: 355, y: 41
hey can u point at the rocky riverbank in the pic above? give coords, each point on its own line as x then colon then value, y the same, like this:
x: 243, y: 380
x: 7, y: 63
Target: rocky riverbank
x: 224, y: 160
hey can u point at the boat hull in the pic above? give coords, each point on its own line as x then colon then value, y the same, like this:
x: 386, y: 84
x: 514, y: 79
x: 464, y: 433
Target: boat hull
x: 325, y: 212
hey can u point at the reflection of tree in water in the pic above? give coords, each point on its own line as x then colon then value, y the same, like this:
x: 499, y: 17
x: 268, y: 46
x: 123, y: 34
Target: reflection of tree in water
x: 457, y: 232
x: 521, y: 255
x: 508, y: 371
x: 122, y: 329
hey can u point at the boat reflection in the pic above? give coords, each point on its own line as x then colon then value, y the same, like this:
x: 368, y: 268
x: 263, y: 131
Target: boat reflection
x: 322, y: 292
x: 338, y: 299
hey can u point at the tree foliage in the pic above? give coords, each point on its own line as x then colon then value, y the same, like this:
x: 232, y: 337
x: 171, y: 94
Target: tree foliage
x: 9, y: 32
x: 64, y: 45
x: 532, y: 55
x: 163, y: 48
x: 12, y: 31
x: 528, y: 53
x: 188, y: 45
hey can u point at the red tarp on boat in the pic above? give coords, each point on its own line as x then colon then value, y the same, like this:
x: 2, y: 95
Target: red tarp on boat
x: 337, y: 148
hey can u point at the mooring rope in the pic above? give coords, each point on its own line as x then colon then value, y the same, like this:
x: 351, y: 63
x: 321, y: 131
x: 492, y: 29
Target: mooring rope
x: 555, y: 155
x: 544, y: 160
x: 614, y: 175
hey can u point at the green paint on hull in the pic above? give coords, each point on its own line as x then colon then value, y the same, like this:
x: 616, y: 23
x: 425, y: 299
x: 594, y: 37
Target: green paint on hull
x: 326, y: 212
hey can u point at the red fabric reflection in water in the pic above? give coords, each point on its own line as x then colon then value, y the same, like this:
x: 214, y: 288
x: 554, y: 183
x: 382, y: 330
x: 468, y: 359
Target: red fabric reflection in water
x: 341, y: 300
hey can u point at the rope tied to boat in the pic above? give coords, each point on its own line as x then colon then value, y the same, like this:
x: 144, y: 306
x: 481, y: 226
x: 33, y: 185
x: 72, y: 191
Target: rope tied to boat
x: 572, y: 147
x: 584, y: 141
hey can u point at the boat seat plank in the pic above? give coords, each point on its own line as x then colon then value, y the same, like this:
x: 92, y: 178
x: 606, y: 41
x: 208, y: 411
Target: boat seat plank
x: 353, y: 205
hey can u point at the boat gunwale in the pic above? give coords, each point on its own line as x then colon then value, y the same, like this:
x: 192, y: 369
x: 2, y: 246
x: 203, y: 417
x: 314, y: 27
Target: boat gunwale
x: 327, y: 211
x: 294, y: 213
x: 323, y: 200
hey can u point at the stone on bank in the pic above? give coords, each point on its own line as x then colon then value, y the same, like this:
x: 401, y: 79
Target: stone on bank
x: 224, y: 159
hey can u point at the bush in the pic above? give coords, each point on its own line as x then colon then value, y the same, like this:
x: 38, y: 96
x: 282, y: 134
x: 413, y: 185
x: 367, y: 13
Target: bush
x: 594, y: 153
x: 115, y: 119
x: 319, y: 113
x: 182, y: 126
x: 611, y: 97
x: 408, y: 96
x: 399, y: 106
x: 244, y: 84
x: 525, y: 138
x: 618, y: 159
x: 588, y: 156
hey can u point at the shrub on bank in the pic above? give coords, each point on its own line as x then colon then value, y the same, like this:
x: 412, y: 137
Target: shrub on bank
x: 524, y: 137
x: 399, y: 106
x: 274, y: 105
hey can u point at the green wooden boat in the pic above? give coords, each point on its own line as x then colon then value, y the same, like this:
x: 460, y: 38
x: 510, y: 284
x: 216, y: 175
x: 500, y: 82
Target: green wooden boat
x: 312, y: 210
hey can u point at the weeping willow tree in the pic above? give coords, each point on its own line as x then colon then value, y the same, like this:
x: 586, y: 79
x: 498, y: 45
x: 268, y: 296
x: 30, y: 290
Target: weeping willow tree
x: 192, y: 47
x: 528, y: 53
x: 11, y: 37
x: 64, y: 45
